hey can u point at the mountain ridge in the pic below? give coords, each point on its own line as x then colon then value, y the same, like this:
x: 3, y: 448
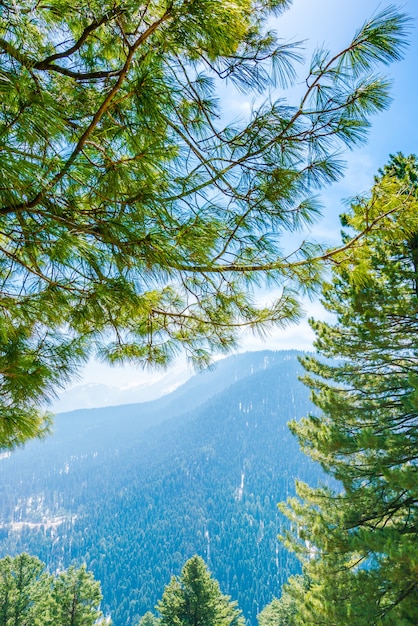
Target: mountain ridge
x: 140, y: 497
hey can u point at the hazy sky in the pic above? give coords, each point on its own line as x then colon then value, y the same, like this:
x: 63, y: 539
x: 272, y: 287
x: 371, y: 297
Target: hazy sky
x: 331, y: 23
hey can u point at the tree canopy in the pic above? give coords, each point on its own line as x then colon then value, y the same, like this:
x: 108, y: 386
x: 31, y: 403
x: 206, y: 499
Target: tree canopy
x: 134, y: 220
x: 149, y: 619
x: 30, y: 596
x: 194, y: 599
x: 359, y: 542
x: 283, y: 611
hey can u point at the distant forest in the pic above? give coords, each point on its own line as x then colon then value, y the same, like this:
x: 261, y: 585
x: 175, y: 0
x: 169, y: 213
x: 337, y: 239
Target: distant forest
x: 136, y: 501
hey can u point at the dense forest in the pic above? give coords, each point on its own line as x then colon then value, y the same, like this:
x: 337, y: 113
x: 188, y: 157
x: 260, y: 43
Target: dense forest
x: 137, y: 501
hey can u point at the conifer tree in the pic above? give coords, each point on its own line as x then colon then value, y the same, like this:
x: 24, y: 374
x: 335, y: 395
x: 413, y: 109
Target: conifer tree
x: 149, y: 619
x: 24, y: 591
x: 135, y: 222
x: 30, y: 596
x: 283, y: 611
x: 194, y: 599
x: 359, y: 539
x: 76, y: 598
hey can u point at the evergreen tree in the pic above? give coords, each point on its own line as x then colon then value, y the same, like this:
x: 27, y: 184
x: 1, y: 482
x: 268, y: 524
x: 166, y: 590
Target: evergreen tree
x: 194, y: 599
x: 76, y: 598
x: 283, y: 611
x: 359, y: 543
x: 149, y: 619
x: 24, y: 591
x: 29, y: 596
x: 133, y: 221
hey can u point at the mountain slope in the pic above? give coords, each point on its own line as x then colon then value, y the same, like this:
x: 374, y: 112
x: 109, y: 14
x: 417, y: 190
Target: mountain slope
x: 135, y: 492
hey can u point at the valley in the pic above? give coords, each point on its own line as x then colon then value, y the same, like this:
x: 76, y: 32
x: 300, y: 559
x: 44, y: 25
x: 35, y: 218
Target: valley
x: 134, y: 491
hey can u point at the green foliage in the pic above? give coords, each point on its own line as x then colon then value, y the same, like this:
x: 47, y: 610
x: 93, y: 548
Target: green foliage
x: 359, y: 544
x: 194, y: 599
x: 23, y: 585
x: 283, y: 611
x: 133, y: 222
x: 76, y: 599
x: 149, y: 619
x: 29, y: 596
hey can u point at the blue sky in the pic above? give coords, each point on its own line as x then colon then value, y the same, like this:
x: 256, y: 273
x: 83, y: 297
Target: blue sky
x: 331, y: 23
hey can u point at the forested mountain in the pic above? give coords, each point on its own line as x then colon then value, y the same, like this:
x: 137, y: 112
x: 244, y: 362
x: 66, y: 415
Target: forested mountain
x: 134, y: 491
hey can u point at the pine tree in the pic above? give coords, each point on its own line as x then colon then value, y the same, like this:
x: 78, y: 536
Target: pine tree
x: 149, y: 619
x: 194, y: 599
x: 30, y: 596
x: 359, y: 543
x: 76, y: 598
x: 283, y: 611
x: 134, y: 222
x: 24, y: 591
